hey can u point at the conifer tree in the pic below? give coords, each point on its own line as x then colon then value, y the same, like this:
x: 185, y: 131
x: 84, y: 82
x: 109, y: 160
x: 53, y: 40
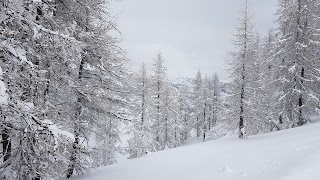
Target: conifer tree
x: 141, y: 127
x: 55, y: 53
x: 297, y: 61
x: 198, y: 103
x: 241, y: 68
x: 216, y: 101
x: 184, y: 110
x: 158, y: 87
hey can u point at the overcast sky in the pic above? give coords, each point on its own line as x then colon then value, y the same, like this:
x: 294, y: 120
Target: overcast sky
x: 191, y: 34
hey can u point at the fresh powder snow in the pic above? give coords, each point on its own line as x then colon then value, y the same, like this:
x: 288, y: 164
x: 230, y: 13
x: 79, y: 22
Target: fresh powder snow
x: 286, y: 155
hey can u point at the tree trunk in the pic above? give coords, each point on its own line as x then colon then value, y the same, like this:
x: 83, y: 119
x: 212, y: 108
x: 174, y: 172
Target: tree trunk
x: 209, y: 118
x: 6, y: 144
x: 76, y: 143
x: 73, y: 157
x: 204, y: 122
x: 198, y: 131
x: 242, y: 132
x: 158, y: 117
x: 302, y: 120
x: 241, y: 122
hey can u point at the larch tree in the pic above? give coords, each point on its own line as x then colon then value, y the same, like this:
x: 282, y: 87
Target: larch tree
x: 55, y: 53
x: 29, y: 41
x: 166, y: 126
x: 257, y: 121
x: 269, y: 92
x: 97, y: 78
x: 216, y: 100
x: 296, y: 59
x: 197, y: 103
x: 206, y: 121
x: 240, y: 71
x: 172, y: 124
x: 184, y: 110
x: 140, y: 129
x: 158, y: 87
x: 176, y: 131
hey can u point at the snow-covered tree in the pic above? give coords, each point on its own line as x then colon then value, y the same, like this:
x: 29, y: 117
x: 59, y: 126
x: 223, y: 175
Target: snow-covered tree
x: 296, y: 59
x: 158, y: 93
x: 53, y: 54
x: 207, y: 108
x: 184, y: 110
x: 140, y: 130
x: 198, y: 103
x: 172, y: 124
x: 216, y: 100
x: 257, y: 121
x: 106, y: 139
x: 28, y: 43
x: 269, y: 87
x: 242, y: 66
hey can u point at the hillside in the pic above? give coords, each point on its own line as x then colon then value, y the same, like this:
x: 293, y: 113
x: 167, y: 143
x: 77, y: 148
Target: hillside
x: 287, y: 155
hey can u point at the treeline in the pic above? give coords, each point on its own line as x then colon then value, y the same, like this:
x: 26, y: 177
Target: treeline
x: 166, y: 114
x: 276, y: 78
x: 274, y: 85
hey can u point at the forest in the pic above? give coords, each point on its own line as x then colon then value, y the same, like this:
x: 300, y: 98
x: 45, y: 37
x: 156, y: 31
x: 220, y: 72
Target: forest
x: 69, y: 103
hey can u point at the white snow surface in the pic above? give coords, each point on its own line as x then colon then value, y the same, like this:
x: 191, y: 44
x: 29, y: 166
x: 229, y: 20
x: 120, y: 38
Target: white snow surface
x: 286, y: 155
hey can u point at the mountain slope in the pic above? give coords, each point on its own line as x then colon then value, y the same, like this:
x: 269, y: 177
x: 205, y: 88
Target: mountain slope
x: 287, y: 155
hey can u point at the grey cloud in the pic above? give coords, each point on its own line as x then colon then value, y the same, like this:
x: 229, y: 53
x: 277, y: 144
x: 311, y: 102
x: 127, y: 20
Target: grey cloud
x: 192, y: 34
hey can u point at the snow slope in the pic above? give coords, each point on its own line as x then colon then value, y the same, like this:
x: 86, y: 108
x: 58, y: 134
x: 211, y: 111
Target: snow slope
x: 287, y: 155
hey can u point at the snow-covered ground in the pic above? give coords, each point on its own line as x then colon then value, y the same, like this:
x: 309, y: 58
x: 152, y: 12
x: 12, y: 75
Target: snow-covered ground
x: 287, y: 155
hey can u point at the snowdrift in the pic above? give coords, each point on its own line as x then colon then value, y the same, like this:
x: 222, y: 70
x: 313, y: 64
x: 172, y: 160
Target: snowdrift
x: 286, y: 155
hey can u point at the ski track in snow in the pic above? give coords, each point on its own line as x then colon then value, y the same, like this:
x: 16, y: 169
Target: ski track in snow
x: 286, y: 155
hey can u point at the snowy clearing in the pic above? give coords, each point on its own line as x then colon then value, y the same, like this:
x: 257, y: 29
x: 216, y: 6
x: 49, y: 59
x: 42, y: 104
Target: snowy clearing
x: 287, y: 155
